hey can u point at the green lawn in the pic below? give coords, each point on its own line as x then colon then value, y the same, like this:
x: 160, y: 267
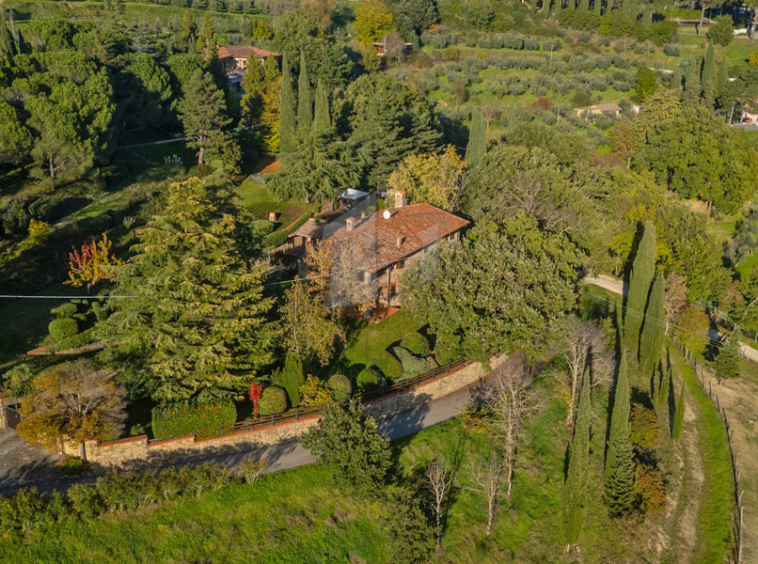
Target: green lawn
x: 260, y: 201
x: 368, y: 344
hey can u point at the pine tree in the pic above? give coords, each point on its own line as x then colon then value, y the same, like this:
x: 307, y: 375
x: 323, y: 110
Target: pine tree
x: 575, y: 487
x: 691, y: 96
x: 709, y: 77
x: 727, y: 363
x: 620, y: 493
x: 477, y: 140
x: 287, y: 125
x: 679, y: 415
x: 654, y: 325
x: 203, y: 113
x: 322, y: 121
x: 304, y: 99
x: 643, y: 271
x: 292, y: 378
x: 676, y: 81
x: 196, y: 328
x: 619, y: 428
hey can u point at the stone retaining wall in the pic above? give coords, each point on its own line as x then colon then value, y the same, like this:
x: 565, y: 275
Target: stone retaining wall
x: 138, y: 451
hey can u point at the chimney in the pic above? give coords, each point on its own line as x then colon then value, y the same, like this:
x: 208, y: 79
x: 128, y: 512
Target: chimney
x: 400, y: 198
x: 363, y: 215
x: 350, y: 223
x: 400, y: 241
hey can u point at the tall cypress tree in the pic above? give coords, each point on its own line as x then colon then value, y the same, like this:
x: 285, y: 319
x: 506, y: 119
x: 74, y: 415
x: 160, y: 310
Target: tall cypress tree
x: 643, y: 271
x: 583, y: 6
x: 709, y: 77
x: 7, y: 46
x: 691, y: 96
x: 619, y: 428
x: 654, y: 325
x: 292, y: 378
x: 287, y: 126
x: 512, y: 122
x: 722, y: 83
x: 477, y: 139
x: 676, y: 433
x: 676, y: 81
x: 620, y: 493
x: 597, y: 6
x: 322, y: 122
x: 304, y: 98
x: 575, y: 487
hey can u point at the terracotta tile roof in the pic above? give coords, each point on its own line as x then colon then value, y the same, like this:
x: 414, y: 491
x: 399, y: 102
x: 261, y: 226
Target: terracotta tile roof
x: 243, y: 52
x: 311, y: 229
x: 414, y: 227
x: 610, y: 107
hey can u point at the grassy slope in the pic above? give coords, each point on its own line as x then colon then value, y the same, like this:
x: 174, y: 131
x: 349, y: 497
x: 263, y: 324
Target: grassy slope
x: 717, y: 503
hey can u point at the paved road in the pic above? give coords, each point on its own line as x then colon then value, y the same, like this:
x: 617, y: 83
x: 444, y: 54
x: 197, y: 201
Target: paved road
x: 31, y: 467
x: 616, y: 286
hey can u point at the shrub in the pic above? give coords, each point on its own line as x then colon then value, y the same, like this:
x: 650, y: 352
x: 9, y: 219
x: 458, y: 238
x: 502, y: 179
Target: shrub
x: 85, y: 501
x: 57, y: 510
x: 206, y: 477
x: 476, y: 418
x: 314, y: 392
x: 170, y: 484
x: 127, y: 492
x: 412, y: 365
x: 253, y: 469
x: 38, y: 231
x: 723, y: 32
x: 651, y: 488
x: 644, y: 427
x: 391, y: 368
x: 273, y: 401
x: 8, y: 520
x: 340, y: 386
x: 15, y: 218
x: 416, y: 343
x: 64, y: 311
x: 671, y: 50
x: 447, y: 350
x: 73, y: 467
x: 203, y: 421
x: 60, y: 329
x: 28, y: 505
x: 369, y: 379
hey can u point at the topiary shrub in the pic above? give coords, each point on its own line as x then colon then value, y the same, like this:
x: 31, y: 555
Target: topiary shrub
x: 416, y: 343
x: 203, y: 421
x: 369, y: 379
x: 273, y: 401
x: 64, y: 311
x: 60, y: 329
x: 340, y: 386
x: 412, y: 365
x: 447, y: 350
x: 391, y: 368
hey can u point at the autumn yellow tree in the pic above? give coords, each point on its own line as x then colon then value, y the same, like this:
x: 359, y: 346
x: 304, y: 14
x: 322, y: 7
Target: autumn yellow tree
x: 92, y: 263
x: 434, y: 178
x: 72, y: 402
x: 270, y: 116
x: 373, y: 20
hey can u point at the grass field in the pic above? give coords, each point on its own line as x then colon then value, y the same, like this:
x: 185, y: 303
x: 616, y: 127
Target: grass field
x: 717, y: 501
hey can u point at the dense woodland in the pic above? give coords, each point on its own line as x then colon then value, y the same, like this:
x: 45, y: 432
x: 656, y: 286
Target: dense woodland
x: 130, y: 177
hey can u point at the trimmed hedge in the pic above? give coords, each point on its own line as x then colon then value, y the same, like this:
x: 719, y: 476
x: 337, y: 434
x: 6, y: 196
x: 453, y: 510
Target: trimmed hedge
x: 340, y: 386
x: 369, y: 379
x: 273, y: 401
x: 416, y: 343
x: 204, y: 421
x: 60, y: 329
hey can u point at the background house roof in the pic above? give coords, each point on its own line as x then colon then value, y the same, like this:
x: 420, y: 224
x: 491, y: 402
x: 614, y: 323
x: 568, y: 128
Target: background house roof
x: 243, y: 52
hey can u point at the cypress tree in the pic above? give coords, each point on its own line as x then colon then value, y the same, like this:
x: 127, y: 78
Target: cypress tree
x: 7, y: 47
x: 722, y: 82
x: 512, y: 122
x: 292, y: 378
x: 676, y: 81
x: 477, y: 139
x: 287, y: 127
x: 304, y: 98
x: 727, y: 363
x: 625, y: 6
x: 575, y: 487
x: 643, y: 271
x: 619, y: 428
x: 597, y: 6
x: 679, y: 415
x: 691, y: 96
x: 583, y: 6
x: 322, y: 121
x: 654, y: 325
x: 709, y: 77
x: 619, y: 492
x: 271, y: 71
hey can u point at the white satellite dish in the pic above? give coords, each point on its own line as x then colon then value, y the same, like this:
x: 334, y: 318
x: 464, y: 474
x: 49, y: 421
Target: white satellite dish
x: 386, y: 214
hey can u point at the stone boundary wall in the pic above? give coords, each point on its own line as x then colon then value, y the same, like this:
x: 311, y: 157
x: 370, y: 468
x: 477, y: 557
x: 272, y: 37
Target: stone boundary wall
x: 8, y: 418
x: 138, y: 451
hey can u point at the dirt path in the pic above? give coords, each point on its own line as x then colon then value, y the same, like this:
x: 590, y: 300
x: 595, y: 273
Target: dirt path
x: 740, y: 398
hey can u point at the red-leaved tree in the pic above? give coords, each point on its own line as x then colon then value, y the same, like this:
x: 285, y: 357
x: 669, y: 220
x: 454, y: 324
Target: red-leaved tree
x: 91, y: 263
x: 256, y: 391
